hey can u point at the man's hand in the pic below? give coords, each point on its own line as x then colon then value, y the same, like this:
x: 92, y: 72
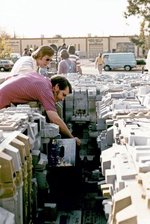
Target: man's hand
x: 54, y: 118
x: 78, y: 141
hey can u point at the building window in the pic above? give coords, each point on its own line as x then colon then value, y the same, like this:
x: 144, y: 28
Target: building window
x: 125, y: 47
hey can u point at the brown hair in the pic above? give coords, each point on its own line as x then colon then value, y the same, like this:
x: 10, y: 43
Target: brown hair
x: 42, y: 51
x: 64, y: 54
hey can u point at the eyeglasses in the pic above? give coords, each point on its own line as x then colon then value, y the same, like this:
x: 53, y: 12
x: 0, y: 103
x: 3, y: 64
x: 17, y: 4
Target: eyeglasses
x: 48, y: 59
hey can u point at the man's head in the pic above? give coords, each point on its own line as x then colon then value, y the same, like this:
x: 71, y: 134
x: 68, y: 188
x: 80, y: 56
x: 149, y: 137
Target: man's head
x: 71, y: 49
x: 64, y: 54
x: 43, y: 55
x: 61, y: 87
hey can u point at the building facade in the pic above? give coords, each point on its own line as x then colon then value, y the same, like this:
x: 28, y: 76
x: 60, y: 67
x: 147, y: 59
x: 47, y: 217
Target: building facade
x: 89, y: 47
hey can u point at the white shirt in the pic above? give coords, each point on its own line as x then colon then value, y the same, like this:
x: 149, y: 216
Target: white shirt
x: 24, y: 65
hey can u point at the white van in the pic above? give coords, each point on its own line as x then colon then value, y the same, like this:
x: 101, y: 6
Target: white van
x: 127, y: 61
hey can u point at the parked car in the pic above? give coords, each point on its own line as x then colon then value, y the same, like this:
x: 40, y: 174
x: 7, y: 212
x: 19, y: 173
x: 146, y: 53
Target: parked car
x: 14, y: 57
x: 140, y: 61
x: 6, y: 65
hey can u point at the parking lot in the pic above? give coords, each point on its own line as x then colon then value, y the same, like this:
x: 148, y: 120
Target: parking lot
x: 88, y: 67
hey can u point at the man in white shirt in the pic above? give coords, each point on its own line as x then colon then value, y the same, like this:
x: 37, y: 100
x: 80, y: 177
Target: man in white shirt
x: 39, y: 59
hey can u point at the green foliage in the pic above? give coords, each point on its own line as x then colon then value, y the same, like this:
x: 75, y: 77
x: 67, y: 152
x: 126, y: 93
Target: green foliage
x: 5, y: 49
x: 137, y: 41
x: 140, y: 8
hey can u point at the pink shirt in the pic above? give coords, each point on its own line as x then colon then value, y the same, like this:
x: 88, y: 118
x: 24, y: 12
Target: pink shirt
x: 25, y: 88
x: 66, y: 66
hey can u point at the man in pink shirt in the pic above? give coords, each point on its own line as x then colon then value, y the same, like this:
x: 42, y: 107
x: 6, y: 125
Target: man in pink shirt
x: 33, y: 87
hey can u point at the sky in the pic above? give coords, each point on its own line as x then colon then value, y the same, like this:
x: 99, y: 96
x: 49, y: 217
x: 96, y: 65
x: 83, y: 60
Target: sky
x: 68, y: 18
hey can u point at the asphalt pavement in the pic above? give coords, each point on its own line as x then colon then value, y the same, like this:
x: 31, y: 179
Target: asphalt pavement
x: 88, y: 67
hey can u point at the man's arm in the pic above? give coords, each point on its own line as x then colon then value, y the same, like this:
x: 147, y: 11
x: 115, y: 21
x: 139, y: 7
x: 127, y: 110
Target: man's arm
x: 78, y: 65
x: 79, y: 69
x: 54, y: 118
x: 95, y: 63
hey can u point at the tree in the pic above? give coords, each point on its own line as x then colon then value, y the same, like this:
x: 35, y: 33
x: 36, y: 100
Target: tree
x: 140, y: 8
x: 5, y: 49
